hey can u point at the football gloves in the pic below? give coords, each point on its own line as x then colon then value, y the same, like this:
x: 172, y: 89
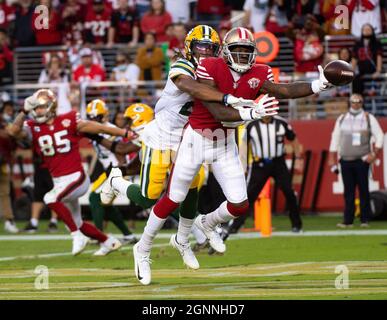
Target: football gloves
x: 320, y: 84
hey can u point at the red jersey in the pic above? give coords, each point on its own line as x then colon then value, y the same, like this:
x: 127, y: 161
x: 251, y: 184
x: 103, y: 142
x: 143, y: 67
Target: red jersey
x: 58, y: 144
x: 97, y: 26
x: 246, y: 87
x: 95, y: 73
x: 7, y: 14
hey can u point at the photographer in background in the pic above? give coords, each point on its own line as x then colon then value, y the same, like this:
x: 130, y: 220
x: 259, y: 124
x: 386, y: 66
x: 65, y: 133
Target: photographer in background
x: 351, y: 145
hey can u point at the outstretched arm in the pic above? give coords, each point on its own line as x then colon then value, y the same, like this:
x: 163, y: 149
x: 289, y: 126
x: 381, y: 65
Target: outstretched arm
x: 93, y: 127
x: 119, y: 147
x: 296, y: 89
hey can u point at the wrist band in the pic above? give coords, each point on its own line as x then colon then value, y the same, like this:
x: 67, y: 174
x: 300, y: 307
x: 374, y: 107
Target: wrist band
x: 225, y: 99
x: 315, y: 85
x: 246, y: 113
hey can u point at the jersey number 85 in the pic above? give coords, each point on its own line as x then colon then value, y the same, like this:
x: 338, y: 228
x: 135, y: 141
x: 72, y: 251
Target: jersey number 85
x: 47, y: 146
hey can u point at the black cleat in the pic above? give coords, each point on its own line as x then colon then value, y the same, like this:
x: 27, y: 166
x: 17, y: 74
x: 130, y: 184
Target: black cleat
x: 30, y: 228
x: 52, y: 227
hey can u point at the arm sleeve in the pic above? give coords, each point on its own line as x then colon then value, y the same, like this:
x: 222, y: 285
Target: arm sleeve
x: 335, y: 138
x: 377, y: 132
x: 181, y: 67
x: 270, y: 75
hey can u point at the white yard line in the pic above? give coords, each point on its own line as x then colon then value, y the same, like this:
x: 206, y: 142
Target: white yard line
x: 64, y: 254
x: 241, y: 235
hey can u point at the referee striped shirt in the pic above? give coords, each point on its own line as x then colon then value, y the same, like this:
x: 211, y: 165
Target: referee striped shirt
x: 267, y: 139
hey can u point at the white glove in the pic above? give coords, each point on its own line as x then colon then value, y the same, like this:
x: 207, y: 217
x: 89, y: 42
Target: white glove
x: 266, y: 107
x: 321, y: 84
x: 30, y: 103
x: 230, y: 100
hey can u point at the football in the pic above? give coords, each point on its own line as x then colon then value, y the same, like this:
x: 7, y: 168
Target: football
x: 339, y: 72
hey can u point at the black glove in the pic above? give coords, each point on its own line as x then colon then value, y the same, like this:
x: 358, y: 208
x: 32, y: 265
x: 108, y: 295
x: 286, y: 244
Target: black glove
x: 95, y: 137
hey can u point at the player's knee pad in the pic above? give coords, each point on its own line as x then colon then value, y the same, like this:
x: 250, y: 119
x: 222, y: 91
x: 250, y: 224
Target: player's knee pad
x: 238, y: 210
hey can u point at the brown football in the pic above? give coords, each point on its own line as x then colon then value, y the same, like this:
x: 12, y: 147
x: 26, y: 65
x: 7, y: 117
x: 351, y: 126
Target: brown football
x: 339, y: 72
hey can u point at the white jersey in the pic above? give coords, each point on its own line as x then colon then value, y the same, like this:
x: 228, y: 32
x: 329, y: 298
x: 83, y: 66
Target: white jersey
x: 105, y: 156
x: 171, y: 111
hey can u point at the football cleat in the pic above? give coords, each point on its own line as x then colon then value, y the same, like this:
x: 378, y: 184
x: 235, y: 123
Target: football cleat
x: 10, y: 227
x: 110, y: 245
x: 108, y: 193
x: 129, y: 239
x: 186, y: 252
x: 29, y: 228
x: 79, y: 242
x: 142, y: 266
x: 215, y: 239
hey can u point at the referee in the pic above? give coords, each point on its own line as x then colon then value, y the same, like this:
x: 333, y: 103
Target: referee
x: 265, y: 140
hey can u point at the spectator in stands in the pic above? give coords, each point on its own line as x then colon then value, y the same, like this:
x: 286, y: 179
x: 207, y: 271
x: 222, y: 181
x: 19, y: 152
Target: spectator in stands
x: 367, y: 57
x: 362, y: 12
x: 279, y: 14
x: 305, y: 7
x: 181, y: 10
x: 327, y: 8
x: 7, y: 14
x: 88, y: 71
x: 6, y: 58
x: 8, y: 111
x: 23, y: 34
x: 7, y: 147
x: 124, y: 26
x: 142, y: 7
x: 156, y: 20
x: 150, y: 59
x: 351, y: 145
x: 124, y: 70
x: 255, y: 14
x: 54, y: 72
x: 308, y: 49
x: 73, y: 15
x: 177, y: 42
x: 51, y: 34
x: 97, y: 23
x: 212, y: 11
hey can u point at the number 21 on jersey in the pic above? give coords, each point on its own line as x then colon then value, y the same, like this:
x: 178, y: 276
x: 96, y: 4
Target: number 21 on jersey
x: 49, y: 145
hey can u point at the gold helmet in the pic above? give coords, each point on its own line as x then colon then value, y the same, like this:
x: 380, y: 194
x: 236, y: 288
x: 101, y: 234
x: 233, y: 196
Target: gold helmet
x: 43, y: 98
x: 96, y: 110
x: 140, y: 114
x: 239, y: 61
x: 201, y: 39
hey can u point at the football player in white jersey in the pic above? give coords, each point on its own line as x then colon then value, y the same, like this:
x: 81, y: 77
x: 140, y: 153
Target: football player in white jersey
x: 96, y: 110
x: 162, y: 136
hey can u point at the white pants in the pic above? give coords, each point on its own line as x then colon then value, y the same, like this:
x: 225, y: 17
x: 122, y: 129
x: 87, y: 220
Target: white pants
x: 68, y: 189
x: 222, y: 155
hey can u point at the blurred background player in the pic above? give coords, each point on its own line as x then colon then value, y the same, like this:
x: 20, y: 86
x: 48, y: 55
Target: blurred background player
x: 97, y: 111
x: 56, y: 139
x: 42, y: 185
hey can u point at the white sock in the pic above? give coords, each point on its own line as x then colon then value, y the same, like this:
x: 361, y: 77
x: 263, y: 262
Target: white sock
x: 121, y: 185
x: 153, y: 226
x: 184, y: 230
x: 34, y: 222
x: 219, y: 215
x: 198, y: 234
x: 54, y: 220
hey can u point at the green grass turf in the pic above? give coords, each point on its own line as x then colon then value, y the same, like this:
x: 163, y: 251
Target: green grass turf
x: 264, y: 268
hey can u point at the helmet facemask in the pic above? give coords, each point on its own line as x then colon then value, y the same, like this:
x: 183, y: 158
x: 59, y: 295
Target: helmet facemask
x: 204, y: 49
x: 44, y: 99
x: 240, y: 56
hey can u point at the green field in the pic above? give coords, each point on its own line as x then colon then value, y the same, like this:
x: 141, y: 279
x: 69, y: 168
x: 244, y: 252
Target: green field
x: 284, y: 266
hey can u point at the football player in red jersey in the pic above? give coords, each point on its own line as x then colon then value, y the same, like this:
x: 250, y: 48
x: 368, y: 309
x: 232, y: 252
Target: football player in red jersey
x: 56, y: 139
x: 207, y: 139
